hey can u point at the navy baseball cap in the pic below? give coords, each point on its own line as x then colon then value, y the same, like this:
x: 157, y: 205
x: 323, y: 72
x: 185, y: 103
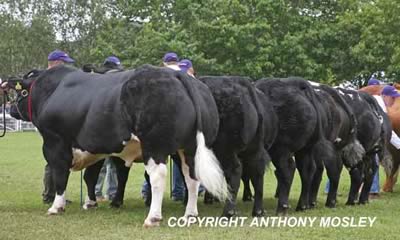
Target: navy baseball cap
x: 170, y: 57
x: 60, y: 55
x: 185, y: 64
x: 373, y: 81
x: 390, y: 91
x: 112, y: 59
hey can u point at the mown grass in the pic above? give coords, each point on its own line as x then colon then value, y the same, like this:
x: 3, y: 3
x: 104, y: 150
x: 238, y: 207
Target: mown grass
x: 22, y: 213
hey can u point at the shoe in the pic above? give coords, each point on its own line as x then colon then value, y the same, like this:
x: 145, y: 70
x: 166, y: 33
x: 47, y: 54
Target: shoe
x: 101, y: 199
x: 374, y: 195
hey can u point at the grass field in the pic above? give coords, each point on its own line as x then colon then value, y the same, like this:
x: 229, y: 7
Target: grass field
x: 22, y: 213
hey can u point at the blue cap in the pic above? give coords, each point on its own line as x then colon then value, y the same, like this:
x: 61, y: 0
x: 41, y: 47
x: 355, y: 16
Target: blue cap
x: 374, y: 81
x: 170, y: 57
x: 390, y: 91
x: 60, y: 55
x: 112, y: 59
x: 185, y: 64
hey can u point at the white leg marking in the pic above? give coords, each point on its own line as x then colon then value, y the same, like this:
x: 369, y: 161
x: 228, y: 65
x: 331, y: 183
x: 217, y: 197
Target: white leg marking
x: 192, y: 187
x: 58, y: 205
x: 89, y: 204
x: 158, y: 174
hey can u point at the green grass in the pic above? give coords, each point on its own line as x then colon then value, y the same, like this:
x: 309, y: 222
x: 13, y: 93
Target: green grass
x: 22, y: 213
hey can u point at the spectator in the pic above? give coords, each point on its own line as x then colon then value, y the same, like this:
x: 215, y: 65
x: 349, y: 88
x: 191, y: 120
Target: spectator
x: 186, y: 66
x: 170, y: 60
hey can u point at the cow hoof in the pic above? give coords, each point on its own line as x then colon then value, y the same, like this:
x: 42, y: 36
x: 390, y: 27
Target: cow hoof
x: 55, y: 211
x: 313, y: 205
x: 259, y: 213
x: 330, y: 204
x: 301, y: 208
x: 230, y: 213
x: 115, y: 204
x: 247, y: 198
x: 90, y: 205
x: 152, y: 222
x: 282, y: 210
x: 348, y: 203
x: 363, y: 202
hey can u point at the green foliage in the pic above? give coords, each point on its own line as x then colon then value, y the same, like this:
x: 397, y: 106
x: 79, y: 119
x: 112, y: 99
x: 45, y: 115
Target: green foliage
x: 324, y: 41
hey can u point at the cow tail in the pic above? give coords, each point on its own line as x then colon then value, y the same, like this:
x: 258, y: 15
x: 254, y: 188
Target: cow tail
x: 207, y: 167
x: 260, y: 113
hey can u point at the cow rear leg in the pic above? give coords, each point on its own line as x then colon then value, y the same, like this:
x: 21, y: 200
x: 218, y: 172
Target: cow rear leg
x: 306, y: 167
x: 333, y: 170
x: 257, y: 180
x: 233, y: 173
x: 122, y: 175
x: 90, y: 176
x: 192, y: 185
x: 368, y: 178
x: 247, y: 195
x: 316, y: 182
x: 158, y: 175
x: 356, y: 180
x: 284, y: 173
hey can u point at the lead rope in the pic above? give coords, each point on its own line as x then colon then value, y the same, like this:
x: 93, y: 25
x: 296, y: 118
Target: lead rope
x: 81, y: 190
x: 4, y: 114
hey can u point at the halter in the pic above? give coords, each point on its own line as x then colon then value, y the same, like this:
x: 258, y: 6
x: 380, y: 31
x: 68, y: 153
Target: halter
x: 30, y: 100
x: 21, y: 97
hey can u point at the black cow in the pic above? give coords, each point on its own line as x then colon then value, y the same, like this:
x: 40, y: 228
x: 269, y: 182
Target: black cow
x: 372, y: 133
x: 241, y: 136
x: 340, y: 145
x: 299, y: 130
x: 148, y: 113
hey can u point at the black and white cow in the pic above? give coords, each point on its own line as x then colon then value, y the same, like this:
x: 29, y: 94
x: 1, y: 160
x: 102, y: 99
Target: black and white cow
x: 241, y: 136
x: 340, y: 145
x: 148, y: 113
x: 294, y: 102
x: 372, y: 133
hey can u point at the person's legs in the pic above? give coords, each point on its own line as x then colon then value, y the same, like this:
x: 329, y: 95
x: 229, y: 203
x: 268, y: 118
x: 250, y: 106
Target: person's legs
x: 49, y: 188
x: 100, y: 182
x: 112, y: 179
x: 327, y: 186
x: 178, y: 186
x: 375, y: 183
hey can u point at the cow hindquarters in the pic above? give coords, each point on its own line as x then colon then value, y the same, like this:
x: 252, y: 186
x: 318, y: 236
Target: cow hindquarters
x: 158, y: 174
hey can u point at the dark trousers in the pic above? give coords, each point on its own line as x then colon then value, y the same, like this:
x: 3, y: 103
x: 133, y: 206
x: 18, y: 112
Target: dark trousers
x: 49, y: 191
